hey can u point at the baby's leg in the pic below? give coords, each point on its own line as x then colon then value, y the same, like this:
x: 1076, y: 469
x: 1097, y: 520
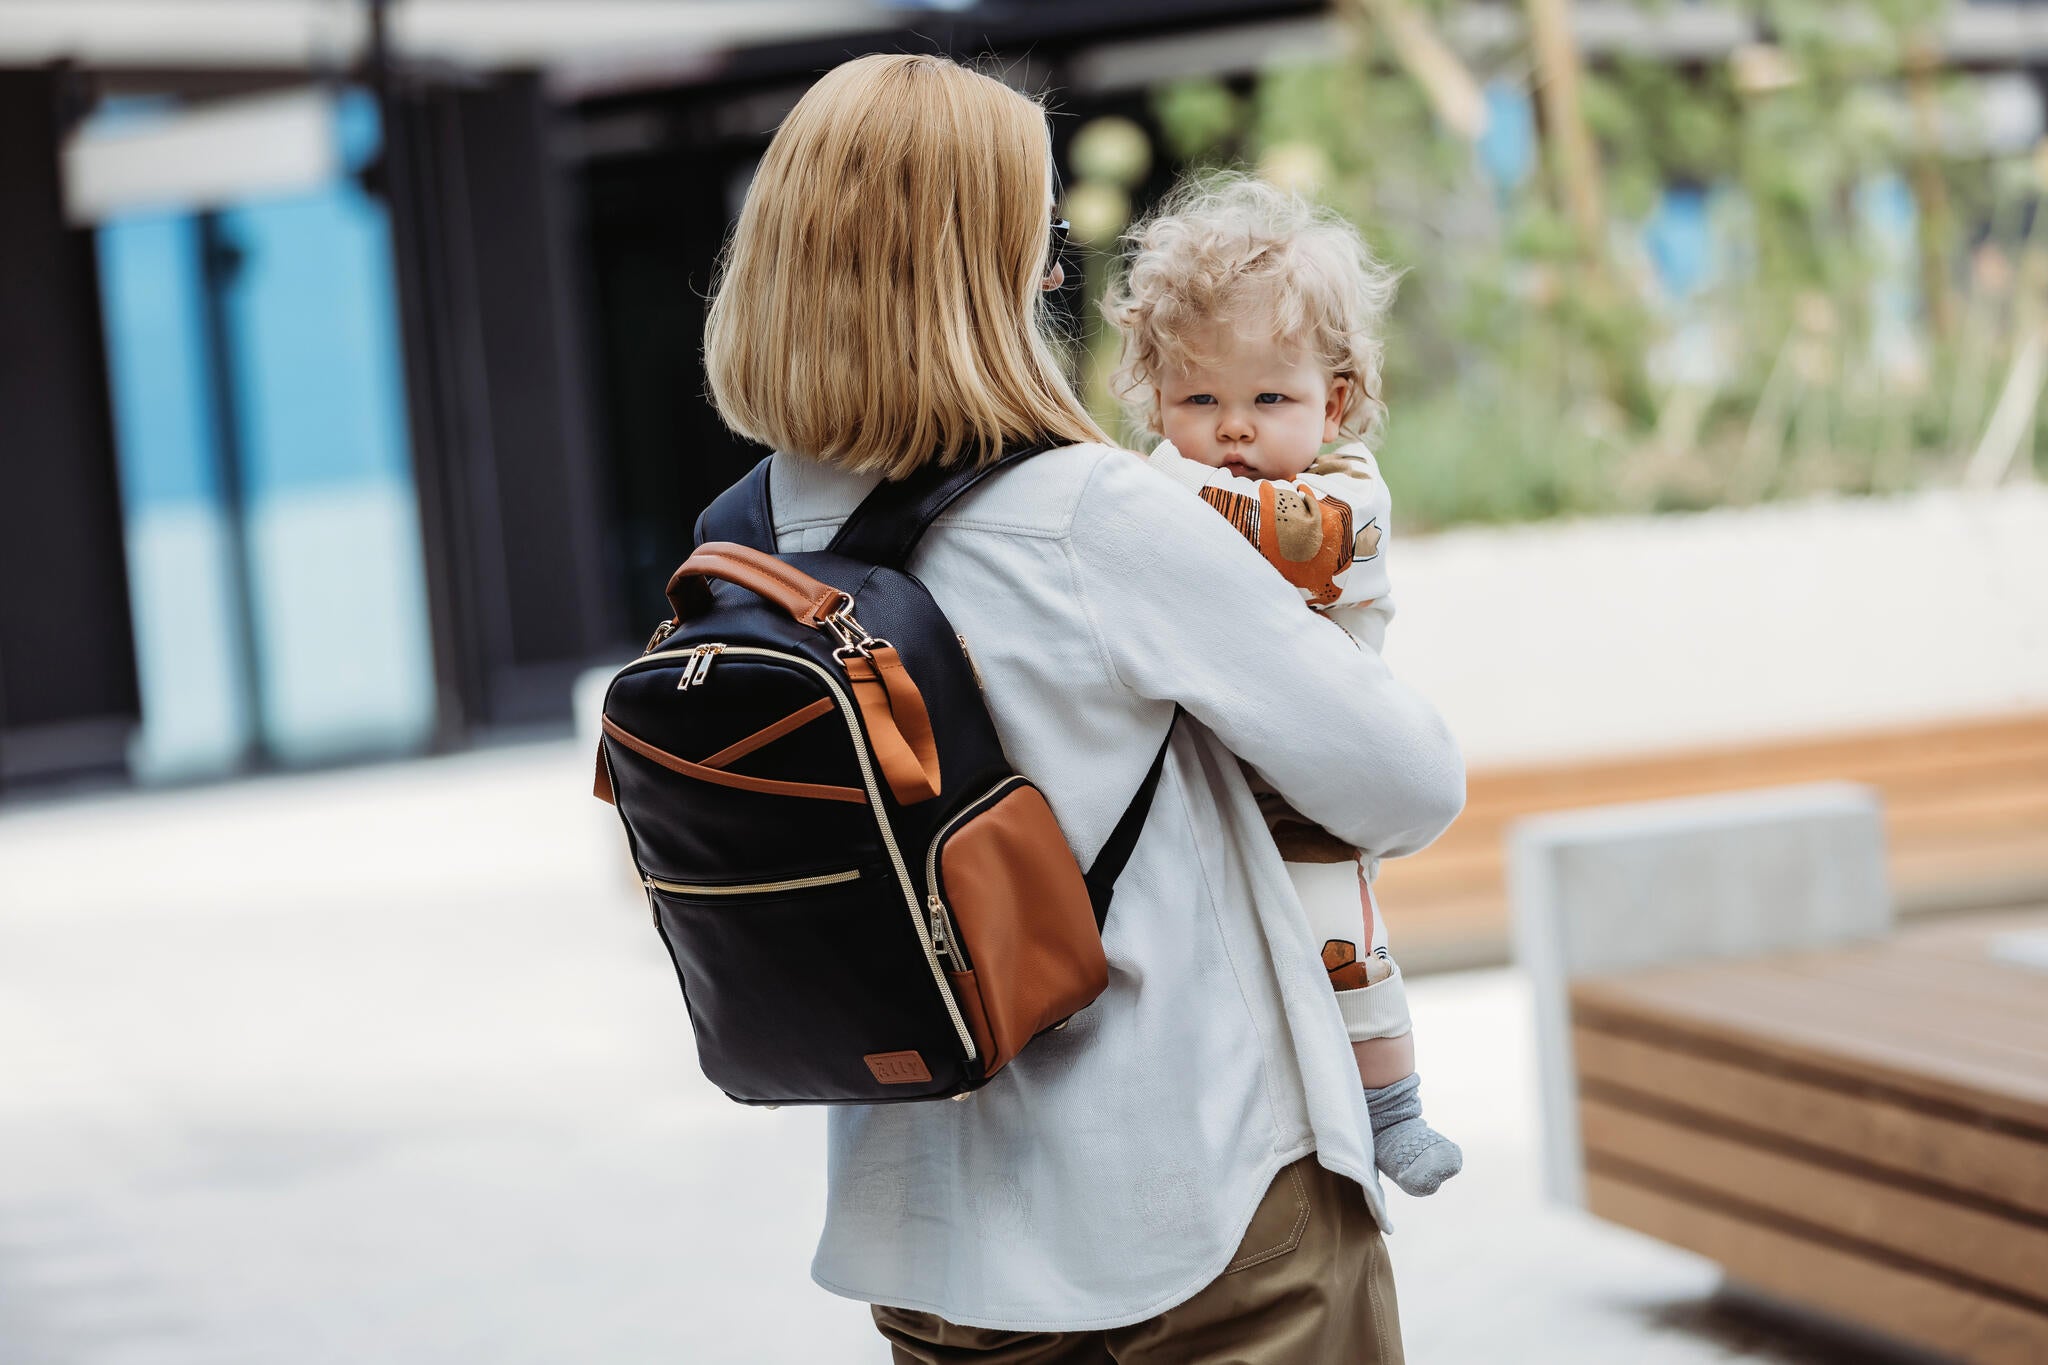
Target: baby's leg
x: 1373, y: 999
x: 1382, y: 1061
x: 1370, y: 992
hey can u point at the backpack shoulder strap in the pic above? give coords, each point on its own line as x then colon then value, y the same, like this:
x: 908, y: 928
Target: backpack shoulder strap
x: 889, y: 522
x: 1123, y: 840
x: 886, y: 527
x: 742, y: 514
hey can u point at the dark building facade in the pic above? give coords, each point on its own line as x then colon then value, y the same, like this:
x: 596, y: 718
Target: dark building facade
x: 380, y: 465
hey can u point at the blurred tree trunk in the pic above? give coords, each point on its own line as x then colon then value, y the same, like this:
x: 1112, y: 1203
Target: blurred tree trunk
x: 1572, y: 153
x: 1445, y: 80
x: 1922, y: 61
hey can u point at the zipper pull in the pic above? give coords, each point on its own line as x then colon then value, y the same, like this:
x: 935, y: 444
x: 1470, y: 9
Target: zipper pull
x: 937, y: 910
x: 689, y: 669
x: 698, y: 666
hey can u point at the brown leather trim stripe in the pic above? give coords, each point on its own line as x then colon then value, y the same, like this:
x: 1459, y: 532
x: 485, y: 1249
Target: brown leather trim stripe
x: 668, y: 760
x: 796, y: 720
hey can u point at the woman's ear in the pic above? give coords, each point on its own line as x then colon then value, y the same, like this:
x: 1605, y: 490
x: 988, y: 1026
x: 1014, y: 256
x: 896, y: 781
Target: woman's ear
x: 1054, y: 278
x: 1333, y: 408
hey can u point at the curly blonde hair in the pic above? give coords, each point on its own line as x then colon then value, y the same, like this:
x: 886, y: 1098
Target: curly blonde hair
x: 1232, y: 251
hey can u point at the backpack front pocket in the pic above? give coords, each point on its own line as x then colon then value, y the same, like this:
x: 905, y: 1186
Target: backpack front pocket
x: 808, y: 988
x: 1024, y: 951
x: 717, y: 774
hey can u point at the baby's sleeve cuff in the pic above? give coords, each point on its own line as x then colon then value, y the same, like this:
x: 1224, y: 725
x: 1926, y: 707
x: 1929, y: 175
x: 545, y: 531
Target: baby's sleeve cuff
x: 1189, y: 474
x: 1376, y: 1011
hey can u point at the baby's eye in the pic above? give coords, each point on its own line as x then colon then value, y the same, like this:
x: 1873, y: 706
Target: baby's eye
x: 1272, y: 398
x: 1204, y: 399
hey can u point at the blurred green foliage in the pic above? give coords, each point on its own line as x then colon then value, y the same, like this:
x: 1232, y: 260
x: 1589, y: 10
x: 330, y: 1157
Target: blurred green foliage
x: 1521, y: 377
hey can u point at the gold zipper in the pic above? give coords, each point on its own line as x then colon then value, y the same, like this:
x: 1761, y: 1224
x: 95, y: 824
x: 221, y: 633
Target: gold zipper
x: 875, y: 807
x: 935, y: 904
x: 695, y: 673
x: 756, y: 888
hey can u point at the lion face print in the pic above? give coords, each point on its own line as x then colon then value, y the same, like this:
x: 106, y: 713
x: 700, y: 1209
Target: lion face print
x: 1309, y: 539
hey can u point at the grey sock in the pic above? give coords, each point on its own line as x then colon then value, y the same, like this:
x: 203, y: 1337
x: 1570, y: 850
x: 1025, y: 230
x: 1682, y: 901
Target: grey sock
x: 1407, y: 1150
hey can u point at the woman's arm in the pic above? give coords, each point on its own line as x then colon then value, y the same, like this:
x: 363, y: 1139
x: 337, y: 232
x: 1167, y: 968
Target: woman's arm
x: 1187, y: 611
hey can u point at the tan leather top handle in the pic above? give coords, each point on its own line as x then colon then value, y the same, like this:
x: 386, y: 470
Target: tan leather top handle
x: 796, y: 592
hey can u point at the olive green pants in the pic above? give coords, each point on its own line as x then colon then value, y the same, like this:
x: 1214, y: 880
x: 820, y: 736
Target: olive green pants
x: 1310, y: 1285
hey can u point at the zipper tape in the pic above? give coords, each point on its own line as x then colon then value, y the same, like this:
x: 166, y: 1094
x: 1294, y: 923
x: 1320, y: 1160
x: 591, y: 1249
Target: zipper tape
x: 755, y: 888
x: 942, y: 914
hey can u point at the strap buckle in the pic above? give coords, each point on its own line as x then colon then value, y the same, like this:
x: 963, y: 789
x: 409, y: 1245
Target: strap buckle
x: 854, y: 640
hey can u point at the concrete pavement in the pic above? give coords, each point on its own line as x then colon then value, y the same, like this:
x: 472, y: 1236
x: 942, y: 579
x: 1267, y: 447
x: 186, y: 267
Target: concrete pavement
x: 387, y: 1066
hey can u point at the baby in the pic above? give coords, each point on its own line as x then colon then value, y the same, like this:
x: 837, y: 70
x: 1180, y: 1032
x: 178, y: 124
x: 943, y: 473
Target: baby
x: 1250, y: 325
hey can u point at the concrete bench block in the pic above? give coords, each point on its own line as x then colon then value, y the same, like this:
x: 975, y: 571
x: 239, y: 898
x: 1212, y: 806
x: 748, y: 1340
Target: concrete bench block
x: 1610, y: 888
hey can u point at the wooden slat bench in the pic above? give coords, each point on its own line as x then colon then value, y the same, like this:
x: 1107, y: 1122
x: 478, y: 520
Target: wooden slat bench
x: 1966, y: 822
x: 1861, y: 1131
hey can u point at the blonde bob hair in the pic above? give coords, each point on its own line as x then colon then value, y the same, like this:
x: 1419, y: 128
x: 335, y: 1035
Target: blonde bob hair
x: 878, y: 307
x: 1231, y: 253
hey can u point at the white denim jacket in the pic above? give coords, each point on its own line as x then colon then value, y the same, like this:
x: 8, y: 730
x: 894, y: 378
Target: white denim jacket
x: 1111, y: 1171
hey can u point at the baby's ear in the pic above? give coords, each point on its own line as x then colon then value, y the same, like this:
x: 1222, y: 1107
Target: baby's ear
x: 1333, y: 408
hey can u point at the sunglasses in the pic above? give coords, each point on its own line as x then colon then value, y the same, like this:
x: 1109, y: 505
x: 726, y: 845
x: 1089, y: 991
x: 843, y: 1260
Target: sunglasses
x: 1060, y: 228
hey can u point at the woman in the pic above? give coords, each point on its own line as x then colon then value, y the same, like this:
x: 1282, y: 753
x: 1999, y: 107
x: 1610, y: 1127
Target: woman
x: 1184, y: 1173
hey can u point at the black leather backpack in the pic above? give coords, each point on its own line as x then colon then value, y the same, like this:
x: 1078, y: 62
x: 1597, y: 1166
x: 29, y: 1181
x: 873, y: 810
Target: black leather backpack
x: 864, y: 903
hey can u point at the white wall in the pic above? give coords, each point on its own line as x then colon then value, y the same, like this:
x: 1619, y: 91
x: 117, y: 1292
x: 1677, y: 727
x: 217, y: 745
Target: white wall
x: 1565, y: 640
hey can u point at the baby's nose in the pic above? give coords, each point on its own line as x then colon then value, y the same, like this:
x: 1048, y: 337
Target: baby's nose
x: 1234, y: 425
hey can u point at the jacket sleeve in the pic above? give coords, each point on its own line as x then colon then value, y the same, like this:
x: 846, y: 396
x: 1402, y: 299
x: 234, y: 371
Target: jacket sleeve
x: 1325, y: 530
x: 1185, y: 610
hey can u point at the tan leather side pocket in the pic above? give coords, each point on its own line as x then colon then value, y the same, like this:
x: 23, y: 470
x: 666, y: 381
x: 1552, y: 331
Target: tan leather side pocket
x: 1022, y: 911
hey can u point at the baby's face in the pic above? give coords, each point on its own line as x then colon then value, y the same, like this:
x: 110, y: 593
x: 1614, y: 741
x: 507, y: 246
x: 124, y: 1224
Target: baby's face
x: 1253, y: 405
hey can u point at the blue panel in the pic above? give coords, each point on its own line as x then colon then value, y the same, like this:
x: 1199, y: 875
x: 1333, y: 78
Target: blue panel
x: 195, y: 714
x: 195, y: 708
x: 156, y: 357
x: 1890, y: 217
x: 338, y: 589
x: 315, y: 345
x: 1507, y: 149
x: 337, y: 593
x: 1680, y: 240
x: 356, y: 129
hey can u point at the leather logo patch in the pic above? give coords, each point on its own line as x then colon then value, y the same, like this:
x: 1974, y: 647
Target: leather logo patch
x: 897, y: 1068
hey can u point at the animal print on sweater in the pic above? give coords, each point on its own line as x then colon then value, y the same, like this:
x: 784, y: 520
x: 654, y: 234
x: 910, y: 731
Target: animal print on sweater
x: 1307, y: 538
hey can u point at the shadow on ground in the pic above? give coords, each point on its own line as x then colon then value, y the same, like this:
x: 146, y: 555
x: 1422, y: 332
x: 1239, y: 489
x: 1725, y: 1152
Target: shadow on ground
x: 1751, y: 1327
